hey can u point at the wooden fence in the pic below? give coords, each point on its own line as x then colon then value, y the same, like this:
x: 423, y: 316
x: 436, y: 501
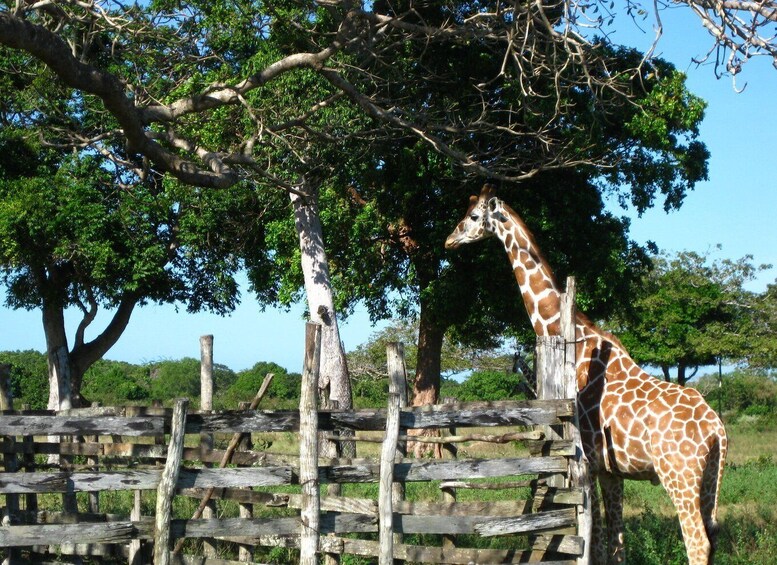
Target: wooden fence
x: 162, y: 451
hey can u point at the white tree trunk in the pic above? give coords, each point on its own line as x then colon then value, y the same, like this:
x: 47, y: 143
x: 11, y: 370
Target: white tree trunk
x: 334, y: 370
x: 58, y: 358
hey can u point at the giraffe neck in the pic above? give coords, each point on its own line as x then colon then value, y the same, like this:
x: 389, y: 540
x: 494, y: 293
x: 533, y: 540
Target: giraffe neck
x: 539, y: 290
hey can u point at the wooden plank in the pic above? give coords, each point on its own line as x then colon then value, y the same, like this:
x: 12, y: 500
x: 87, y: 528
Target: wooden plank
x: 124, y: 531
x: 484, y: 525
x: 58, y: 534
x: 571, y: 545
x: 244, y: 496
x: 410, y: 470
x: 550, y: 447
x: 345, y: 504
x: 545, y: 496
x: 467, y: 508
x: 527, y: 522
x: 481, y: 414
x: 147, y: 479
x: 423, y: 470
x: 155, y: 421
x: 121, y: 532
x: 76, y: 425
x: 431, y: 554
x: 125, y: 452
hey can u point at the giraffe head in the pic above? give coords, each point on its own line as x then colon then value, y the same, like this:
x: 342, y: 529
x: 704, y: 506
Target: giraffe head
x: 485, y: 212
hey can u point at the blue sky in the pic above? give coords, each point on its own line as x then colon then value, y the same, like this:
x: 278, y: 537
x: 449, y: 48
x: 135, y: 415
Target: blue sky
x: 736, y: 208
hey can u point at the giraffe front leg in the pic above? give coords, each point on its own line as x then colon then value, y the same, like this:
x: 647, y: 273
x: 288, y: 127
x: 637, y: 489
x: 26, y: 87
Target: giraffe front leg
x: 612, y: 495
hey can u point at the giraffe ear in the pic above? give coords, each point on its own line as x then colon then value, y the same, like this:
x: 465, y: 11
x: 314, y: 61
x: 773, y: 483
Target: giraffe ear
x: 495, y: 208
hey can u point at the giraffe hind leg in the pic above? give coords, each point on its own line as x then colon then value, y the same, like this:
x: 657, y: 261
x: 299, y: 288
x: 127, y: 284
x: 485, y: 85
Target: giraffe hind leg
x: 710, y: 490
x: 684, y: 488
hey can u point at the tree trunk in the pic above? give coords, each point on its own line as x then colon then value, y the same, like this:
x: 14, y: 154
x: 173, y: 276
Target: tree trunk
x: 333, y: 377
x: 665, y: 371
x: 426, y: 386
x: 66, y: 367
x: 681, y: 378
x: 58, y: 356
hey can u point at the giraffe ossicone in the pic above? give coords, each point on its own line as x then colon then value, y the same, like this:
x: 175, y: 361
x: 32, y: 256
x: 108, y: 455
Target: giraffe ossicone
x: 633, y: 425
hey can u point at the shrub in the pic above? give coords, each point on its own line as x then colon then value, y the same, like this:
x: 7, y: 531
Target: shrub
x: 29, y: 378
x: 745, y: 393
x: 369, y: 393
x: 282, y: 394
x: 114, y: 383
x: 488, y: 386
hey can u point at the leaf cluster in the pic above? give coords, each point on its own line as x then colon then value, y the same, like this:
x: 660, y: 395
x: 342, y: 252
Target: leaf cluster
x: 691, y: 310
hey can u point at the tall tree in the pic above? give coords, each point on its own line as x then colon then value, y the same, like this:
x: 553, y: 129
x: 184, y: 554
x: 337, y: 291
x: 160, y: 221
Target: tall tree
x: 690, y: 311
x: 201, y: 91
x: 71, y: 236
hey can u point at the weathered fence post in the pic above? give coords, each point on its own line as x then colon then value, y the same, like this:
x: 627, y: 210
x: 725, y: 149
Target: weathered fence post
x: 579, y: 476
x: 449, y: 492
x: 166, y: 489
x: 10, y: 463
x: 135, y: 546
x: 206, y: 439
x: 550, y: 359
x: 397, y: 371
x: 308, y: 447
x: 557, y: 378
x: 385, y: 507
x: 94, y: 497
x: 245, y: 552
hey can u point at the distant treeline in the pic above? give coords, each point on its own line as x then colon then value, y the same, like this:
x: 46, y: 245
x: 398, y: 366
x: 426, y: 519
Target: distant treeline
x: 115, y: 383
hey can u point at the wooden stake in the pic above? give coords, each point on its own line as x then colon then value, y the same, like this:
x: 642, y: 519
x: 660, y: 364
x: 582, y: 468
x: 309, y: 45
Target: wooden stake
x: 166, y: 489
x: 308, y: 447
x: 385, y: 507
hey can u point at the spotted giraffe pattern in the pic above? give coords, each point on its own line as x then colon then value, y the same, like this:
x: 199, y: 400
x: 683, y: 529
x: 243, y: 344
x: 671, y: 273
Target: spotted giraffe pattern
x: 632, y: 424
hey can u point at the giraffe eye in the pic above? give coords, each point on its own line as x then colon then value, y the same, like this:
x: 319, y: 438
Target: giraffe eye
x: 474, y: 217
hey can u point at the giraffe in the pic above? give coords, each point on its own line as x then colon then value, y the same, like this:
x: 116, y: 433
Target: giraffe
x: 633, y: 425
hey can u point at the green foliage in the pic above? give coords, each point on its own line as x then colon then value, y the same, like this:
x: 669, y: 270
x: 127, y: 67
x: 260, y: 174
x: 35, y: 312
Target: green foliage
x: 29, y: 378
x: 174, y: 379
x: 748, y: 532
x: 114, y: 383
x: 283, y: 392
x: 181, y: 378
x: 486, y: 386
x: 690, y: 311
x: 369, y: 392
x: 743, y: 393
x: 654, y: 540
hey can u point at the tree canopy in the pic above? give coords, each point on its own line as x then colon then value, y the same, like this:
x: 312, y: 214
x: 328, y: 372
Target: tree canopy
x: 393, y: 109
x: 692, y: 311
